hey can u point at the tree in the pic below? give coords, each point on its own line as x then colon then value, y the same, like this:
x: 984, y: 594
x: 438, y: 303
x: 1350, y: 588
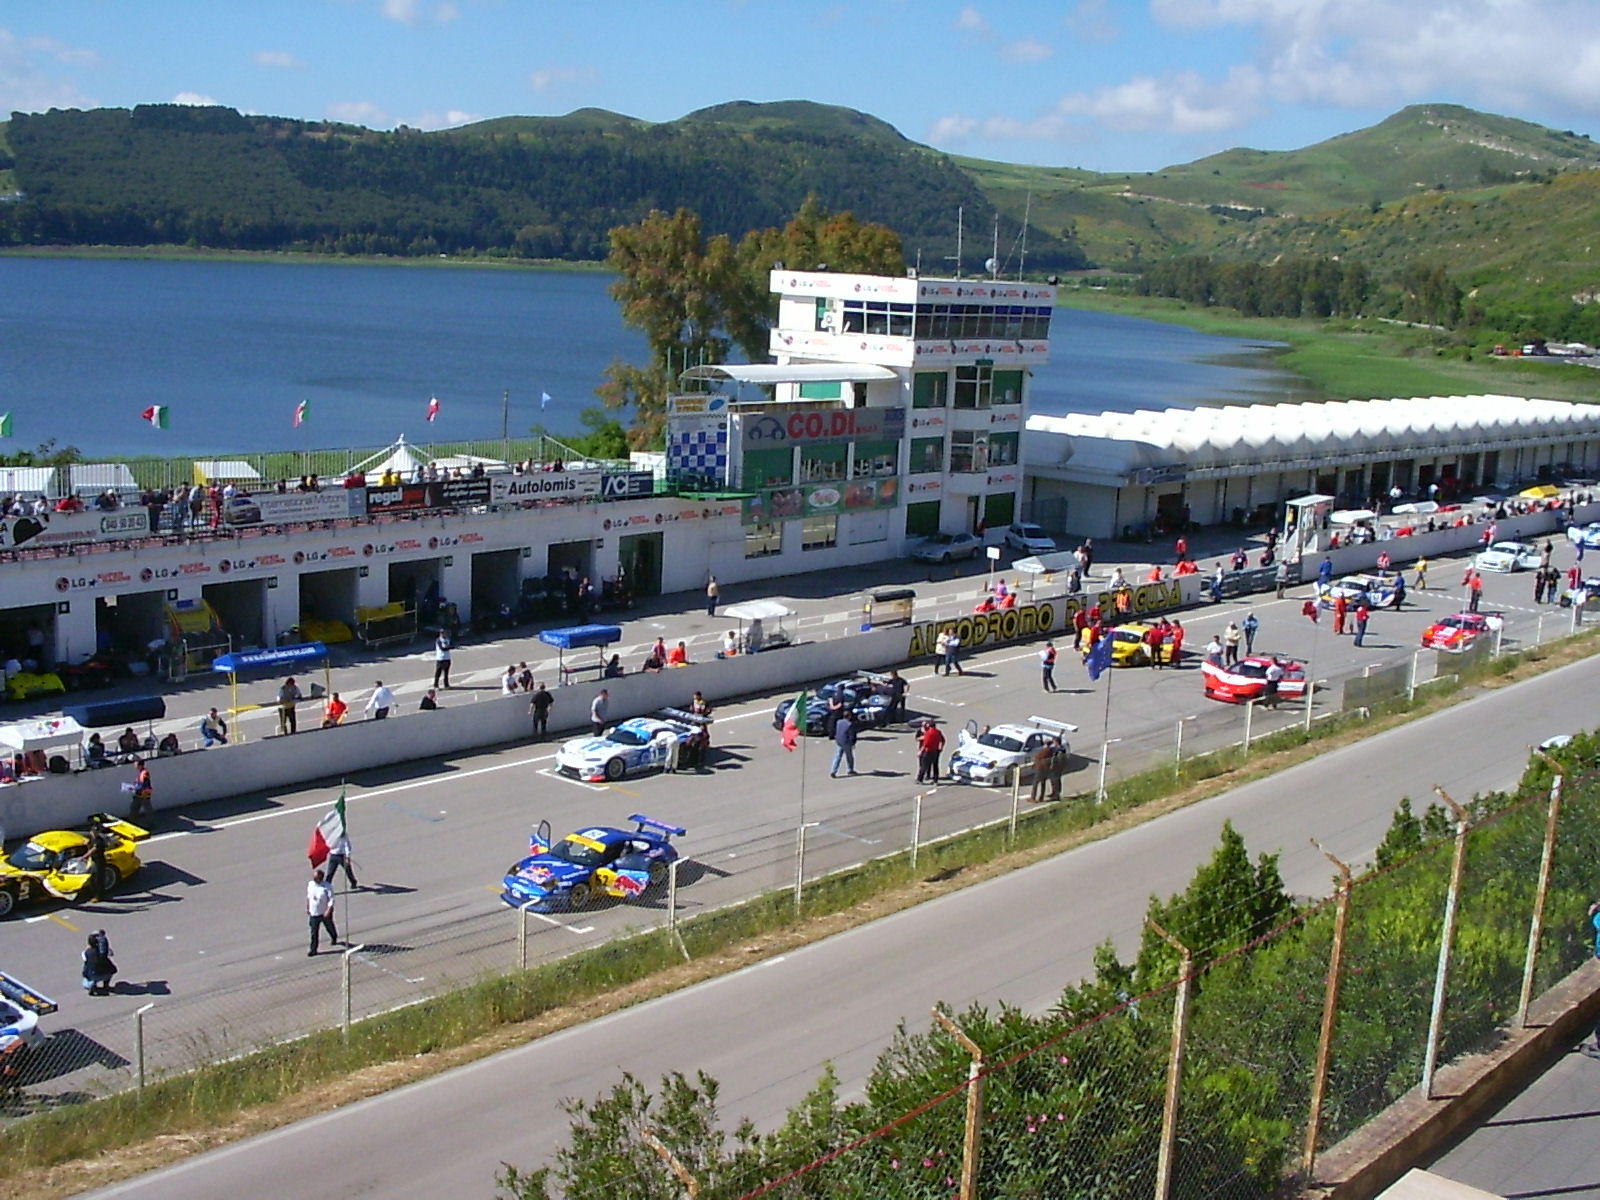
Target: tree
x: 48, y: 454
x: 693, y: 298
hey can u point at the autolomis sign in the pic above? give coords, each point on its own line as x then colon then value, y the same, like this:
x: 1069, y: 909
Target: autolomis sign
x: 815, y: 426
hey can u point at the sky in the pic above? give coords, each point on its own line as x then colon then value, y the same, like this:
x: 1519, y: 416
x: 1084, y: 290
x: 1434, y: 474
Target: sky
x: 1110, y: 85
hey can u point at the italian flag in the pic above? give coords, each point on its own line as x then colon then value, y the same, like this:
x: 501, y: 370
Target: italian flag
x: 328, y: 831
x: 791, y: 722
x: 300, y: 411
x: 5, y: 424
x: 433, y: 407
x: 156, y: 414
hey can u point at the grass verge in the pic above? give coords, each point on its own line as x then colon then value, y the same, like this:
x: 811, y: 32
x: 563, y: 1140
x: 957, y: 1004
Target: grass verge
x: 75, y: 1148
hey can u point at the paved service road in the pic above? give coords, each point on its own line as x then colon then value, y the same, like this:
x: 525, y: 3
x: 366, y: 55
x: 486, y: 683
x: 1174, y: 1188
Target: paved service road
x: 764, y: 1032
x: 214, y: 933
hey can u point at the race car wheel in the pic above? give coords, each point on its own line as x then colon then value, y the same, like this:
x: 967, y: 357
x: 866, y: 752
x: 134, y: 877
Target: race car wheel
x: 109, y: 878
x: 615, y: 769
x: 1210, y: 692
x: 658, y: 874
x: 8, y: 901
x: 945, y: 559
x: 578, y: 896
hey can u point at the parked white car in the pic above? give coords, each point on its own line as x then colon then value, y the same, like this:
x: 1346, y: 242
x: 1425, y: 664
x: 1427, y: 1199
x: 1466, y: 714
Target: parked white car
x: 1029, y: 539
x: 987, y: 759
x: 1508, y: 556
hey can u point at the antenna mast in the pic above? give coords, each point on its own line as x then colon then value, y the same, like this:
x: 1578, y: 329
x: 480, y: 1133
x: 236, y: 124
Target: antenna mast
x: 1022, y: 254
x: 960, y: 218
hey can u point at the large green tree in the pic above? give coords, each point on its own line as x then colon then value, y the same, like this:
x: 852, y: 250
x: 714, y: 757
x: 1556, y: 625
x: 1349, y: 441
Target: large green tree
x: 694, y: 298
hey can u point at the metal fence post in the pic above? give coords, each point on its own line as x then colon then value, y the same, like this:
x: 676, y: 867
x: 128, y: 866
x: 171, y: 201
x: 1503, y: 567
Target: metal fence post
x: 672, y: 894
x: 138, y: 1044
x: 799, y: 865
x: 522, y: 933
x: 916, y: 827
x: 1249, y: 717
x: 1447, y: 937
x: 1542, y: 893
x: 1016, y: 802
x: 344, y: 986
x: 1180, y: 1034
x: 1330, y: 1013
x: 1310, y: 701
x: 1411, y: 679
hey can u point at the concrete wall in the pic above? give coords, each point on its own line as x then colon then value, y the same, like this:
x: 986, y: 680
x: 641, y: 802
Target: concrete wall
x: 1532, y: 527
x: 274, y: 764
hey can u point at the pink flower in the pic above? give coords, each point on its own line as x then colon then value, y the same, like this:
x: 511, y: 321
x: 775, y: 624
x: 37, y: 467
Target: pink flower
x: 894, y: 1164
x: 927, y: 1162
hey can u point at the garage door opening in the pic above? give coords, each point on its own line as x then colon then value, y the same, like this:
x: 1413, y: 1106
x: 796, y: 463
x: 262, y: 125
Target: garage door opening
x: 639, y: 555
x: 241, y: 606
x: 414, y: 585
x: 328, y: 605
x: 129, y: 623
x: 496, y: 587
x: 28, y: 634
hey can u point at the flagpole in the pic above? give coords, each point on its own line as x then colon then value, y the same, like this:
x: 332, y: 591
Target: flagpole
x: 1105, y: 729
x: 800, y: 830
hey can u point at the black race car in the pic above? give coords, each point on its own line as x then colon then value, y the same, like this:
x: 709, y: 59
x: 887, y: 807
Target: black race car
x: 864, y: 694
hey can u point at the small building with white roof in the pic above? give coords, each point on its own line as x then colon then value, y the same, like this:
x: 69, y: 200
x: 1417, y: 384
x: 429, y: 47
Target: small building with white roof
x: 1112, y: 473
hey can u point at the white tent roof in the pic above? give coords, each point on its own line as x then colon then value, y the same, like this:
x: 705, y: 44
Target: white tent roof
x: 26, y: 481
x: 97, y: 477
x: 225, y: 469
x: 41, y: 735
x: 398, y: 457
x: 790, y: 373
x: 1108, y: 446
x: 757, y: 610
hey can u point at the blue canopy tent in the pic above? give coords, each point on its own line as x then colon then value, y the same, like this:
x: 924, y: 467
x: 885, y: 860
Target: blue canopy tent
x: 577, y: 636
x: 277, y: 658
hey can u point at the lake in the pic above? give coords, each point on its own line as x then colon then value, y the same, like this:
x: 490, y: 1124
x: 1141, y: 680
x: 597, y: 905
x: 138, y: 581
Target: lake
x: 232, y: 347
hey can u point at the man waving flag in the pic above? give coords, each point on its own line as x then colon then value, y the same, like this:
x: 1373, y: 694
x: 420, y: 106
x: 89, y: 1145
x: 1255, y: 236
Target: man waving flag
x: 791, y: 722
x: 327, y: 833
x: 433, y: 407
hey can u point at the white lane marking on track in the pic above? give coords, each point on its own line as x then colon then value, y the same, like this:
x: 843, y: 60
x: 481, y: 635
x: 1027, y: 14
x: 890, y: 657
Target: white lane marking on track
x: 560, y: 778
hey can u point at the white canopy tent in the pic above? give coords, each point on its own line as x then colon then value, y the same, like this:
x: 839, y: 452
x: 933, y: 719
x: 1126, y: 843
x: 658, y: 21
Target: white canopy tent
x: 398, y: 457
x: 46, y: 734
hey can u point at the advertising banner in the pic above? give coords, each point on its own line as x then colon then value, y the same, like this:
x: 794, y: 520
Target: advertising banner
x: 60, y: 529
x: 821, y: 426
x: 544, y: 485
x: 626, y: 484
x: 819, y: 499
x: 440, y: 493
x: 284, y: 508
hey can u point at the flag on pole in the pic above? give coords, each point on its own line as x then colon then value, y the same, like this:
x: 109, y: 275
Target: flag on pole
x: 791, y: 722
x: 433, y: 407
x: 156, y: 414
x: 5, y: 424
x: 327, y: 833
x: 300, y: 411
x: 544, y: 401
x: 1099, y: 660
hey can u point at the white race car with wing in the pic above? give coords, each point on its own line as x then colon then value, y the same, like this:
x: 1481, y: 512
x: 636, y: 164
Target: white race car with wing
x: 987, y: 758
x: 632, y: 746
x: 1509, y: 556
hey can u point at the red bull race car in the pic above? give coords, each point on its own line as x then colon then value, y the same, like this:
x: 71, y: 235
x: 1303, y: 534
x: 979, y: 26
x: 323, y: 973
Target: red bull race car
x: 596, y: 861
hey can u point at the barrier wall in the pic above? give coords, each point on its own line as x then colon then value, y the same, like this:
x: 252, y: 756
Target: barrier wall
x: 1442, y: 542
x: 280, y: 764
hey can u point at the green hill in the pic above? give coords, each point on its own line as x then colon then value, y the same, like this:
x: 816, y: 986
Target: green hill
x: 517, y: 186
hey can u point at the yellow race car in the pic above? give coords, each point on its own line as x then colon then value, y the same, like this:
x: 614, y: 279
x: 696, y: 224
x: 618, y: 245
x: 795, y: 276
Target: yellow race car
x: 1128, y: 648
x: 57, y: 863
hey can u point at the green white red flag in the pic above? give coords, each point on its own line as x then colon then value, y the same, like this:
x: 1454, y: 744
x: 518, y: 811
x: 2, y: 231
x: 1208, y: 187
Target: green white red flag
x: 791, y: 722
x: 327, y: 833
x: 301, y: 410
x: 156, y: 414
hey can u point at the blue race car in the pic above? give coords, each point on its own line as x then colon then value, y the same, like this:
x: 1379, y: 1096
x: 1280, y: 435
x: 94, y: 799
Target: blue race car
x: 595, y: 861
x: 1588, y: 536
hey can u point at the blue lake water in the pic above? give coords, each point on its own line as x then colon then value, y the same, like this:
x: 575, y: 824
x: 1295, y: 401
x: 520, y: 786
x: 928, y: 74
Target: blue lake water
x: 232, y: 347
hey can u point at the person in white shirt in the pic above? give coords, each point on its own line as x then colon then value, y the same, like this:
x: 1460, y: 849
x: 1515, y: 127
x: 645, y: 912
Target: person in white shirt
x: 339, y: 856
x: 668, y: 743
x: 508, y: 682
x: 730, y: 644
x: 319, y: 907
x: 380, y: 702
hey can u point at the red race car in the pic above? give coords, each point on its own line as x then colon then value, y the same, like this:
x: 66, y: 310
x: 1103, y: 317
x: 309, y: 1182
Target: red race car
x: 1459, y: 631
x: 1247, y: 679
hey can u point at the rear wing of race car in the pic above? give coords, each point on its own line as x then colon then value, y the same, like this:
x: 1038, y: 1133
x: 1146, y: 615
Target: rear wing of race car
x: 1053, y: 725
x: 683, y: 716
x: 651, y: 825
x: 25, y: 997
x: 116, y: 825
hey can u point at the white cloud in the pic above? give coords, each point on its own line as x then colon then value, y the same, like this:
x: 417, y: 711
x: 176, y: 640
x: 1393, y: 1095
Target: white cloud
x: 27, y: 84
x: 414, y: 12
x: 277, y: 58
x: 1363, y: 53
x: 549, y: 79
x: 444, y: 120
x: 1092, y: 21
x: 970, y: 20
x: 1183, y: 103
x: 358, y: 112
x: 197, y: 99
x: 952, y: 130
x: 1026, y: 50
